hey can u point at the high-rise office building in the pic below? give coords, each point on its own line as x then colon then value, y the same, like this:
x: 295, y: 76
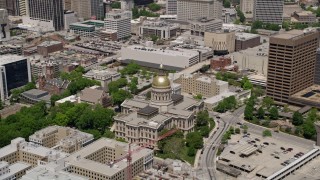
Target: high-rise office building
x: 171, y: 7
x: 97, y: 9
x: 51, y: 10
x: 13, y: 7
x: 4, y: 25
x: 119, y: 21
x: 246, y: 6
x: 291, y: 66
x: 67, y: 4
x: 195, y: 9
x: 22, y: 7
x: 15, y: 72
x: 82, y: 8
x: 317, y: 69
x: 268, y: 11
x: 3, y: 4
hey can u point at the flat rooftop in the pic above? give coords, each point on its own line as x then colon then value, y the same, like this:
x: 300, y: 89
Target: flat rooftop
x: 41, y: 172
x: 78, y: 158
x: 239, y: 144
x: 218, y: 98
x: 6, y: 59
x: 49, y: 43
x: 311, y: 94
x: 292, y: 34
x: 170, y: 52
x: 245, y: 36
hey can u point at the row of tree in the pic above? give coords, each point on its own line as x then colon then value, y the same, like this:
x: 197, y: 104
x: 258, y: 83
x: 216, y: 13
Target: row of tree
x: 226, y: 104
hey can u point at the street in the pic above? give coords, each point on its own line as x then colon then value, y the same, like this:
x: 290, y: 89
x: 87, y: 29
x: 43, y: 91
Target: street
x: 207, y: 163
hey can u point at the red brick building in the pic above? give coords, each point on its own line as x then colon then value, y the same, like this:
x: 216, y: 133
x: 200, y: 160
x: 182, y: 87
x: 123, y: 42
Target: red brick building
x: 220, y: 63
x: 53, y: 86
x: 49, y: 47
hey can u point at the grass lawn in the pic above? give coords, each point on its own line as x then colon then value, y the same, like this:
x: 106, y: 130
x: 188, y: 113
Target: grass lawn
x: 183, y: 155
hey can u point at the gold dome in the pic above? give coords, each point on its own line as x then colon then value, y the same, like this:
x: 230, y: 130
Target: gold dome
x: 161, y: 82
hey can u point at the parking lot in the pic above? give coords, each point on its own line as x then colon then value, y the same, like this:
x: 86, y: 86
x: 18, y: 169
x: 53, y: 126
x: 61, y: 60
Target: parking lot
x: 256, y: 156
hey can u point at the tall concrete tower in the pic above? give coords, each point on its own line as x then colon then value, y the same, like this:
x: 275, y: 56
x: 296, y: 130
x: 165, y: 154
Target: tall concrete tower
x: 4, y: 25
x: 317, y: 125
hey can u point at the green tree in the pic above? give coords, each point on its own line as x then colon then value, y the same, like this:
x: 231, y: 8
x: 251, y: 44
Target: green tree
x: 202, y: 118
x: 257, y: 25
x: 116, y: 5
x: 267, y: 102
x: 266, y: 133
x: 108, y: 134
x: 303, y: 6
x: 248, y: 112
x: 261, y: 113
x: 237, y: 130
x: 154, y: 38
x: 154, y: 7
x: 240, y: 15
x: 119, y: 96
x: 61, y: 119
x: 198, y: 96
x: 231, y: 129
x: 246, y: 84
x: 286, y: 25
x: 134, y: 80
x: 257, y: 91
x: 274, y: 114
x: 133, y: 88
x: 191, y: 151
x: 194, y: 139
x: 226, y: 4
x: 297, y: 119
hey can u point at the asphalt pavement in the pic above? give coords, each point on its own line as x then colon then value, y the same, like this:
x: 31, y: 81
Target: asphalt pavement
x: 207, y: 162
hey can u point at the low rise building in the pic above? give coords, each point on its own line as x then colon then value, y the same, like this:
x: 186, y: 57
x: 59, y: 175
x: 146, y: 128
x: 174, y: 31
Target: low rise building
x: 304, y: 17
x: 161, y: 29
x: 11, y: 49
x: 51, y: 171
x: 246, y: 40
x: 103, y: 75
x: 53, y: 86
x: 34, y: 96
x: 29, y: 152
x: 207, y: 86
x: 108, y: 34
x: 106, y: 159
x: 220, y: 63
x: 87, y: 28
x: 47, y: 47
x: 13, y: 171
x: 61, y: 138
x: 205, y: 53
x: 198, y: 27
x: 94, y: 95
x: 45, y: 67
x: 222, y: 42
x: 213, y: 101
x: 171, y: 58
x: 255, y: 59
